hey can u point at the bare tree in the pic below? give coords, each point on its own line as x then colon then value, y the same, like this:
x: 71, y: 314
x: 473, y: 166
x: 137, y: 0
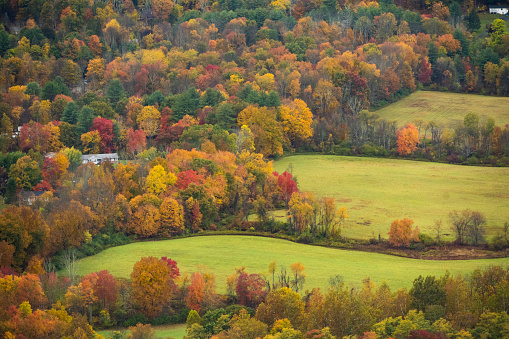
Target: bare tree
x: 460, y: 223
x: 438, y: 230
x: 477, y: 227
x: 71, y: 264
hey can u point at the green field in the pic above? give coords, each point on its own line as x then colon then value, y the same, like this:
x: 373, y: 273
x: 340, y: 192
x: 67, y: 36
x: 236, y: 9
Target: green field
x: 447, y: 109
x: 378, y: 191
x: 222, y: 254
x: 167, y: 331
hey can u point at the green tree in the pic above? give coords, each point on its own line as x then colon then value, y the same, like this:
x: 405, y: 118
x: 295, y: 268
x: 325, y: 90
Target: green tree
x: 115, y: 91
x: 70, y: 114
x: 426, y: 292
x: 86, y: 118
x: 186, y: 104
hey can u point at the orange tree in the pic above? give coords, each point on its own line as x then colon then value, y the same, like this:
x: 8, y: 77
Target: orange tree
x: 151, y: 288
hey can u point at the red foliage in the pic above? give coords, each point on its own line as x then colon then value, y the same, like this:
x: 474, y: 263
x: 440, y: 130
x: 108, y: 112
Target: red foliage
x: 42, y: 187
x: 105, y: 288
x: 187, y: 177
x: 105, y: 129
x: 34, y: 136
x: 250, y: 289
x: 424, y: 72
x: 286, y: 184
x: 51, y: 174
x: 136, y: 141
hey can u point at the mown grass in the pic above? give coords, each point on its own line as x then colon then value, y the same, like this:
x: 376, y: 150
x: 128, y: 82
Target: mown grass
x: 487, y: 19
x: 221, y: 254
x: 165, y: 331
x: 378, y: 191
x: 448, y: 109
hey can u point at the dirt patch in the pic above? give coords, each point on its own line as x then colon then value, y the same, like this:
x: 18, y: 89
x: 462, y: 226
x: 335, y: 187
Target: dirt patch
x: 450, y: 252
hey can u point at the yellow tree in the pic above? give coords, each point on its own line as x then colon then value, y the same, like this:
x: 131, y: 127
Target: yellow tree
x: 158, y: 180
x: 91, y: 142
x: 150, y: 283
x: 95, y: 72
x: 149, y: 120
x: 296, y: 118
x: 172, y: 216
x: 266, y: 130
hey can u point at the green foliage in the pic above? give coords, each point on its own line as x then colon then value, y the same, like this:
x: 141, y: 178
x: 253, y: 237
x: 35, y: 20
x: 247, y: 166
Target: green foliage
x: 185, y: 104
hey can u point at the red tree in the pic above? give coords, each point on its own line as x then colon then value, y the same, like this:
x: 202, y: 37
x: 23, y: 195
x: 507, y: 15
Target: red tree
x: 105, y: 129
x: 250, y: 289
x: 286, y: 185
x: 187, y: 177
x: 137, y: 141
x: 105, y: 288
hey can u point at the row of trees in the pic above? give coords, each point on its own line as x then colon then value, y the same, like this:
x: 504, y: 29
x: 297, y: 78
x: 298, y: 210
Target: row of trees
x: 256, y: 305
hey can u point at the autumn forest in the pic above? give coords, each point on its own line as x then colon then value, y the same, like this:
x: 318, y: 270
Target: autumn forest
x: 142, y: 120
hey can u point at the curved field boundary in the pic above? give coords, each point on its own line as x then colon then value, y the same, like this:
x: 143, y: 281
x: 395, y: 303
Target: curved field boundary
x: 377, y: 191
x: 222, y: 254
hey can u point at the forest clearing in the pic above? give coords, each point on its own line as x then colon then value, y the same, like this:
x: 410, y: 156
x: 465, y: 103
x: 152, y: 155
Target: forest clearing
x: 378, y: 191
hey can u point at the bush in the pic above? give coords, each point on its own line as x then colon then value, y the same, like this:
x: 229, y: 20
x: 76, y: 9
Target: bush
x: 135, y: 319
x: 305, y: 238
x: 426, y: 239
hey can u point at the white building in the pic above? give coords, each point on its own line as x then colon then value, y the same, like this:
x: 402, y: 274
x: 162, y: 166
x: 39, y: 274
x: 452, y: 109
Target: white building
x: 499, y: 10
x: 98, y: 158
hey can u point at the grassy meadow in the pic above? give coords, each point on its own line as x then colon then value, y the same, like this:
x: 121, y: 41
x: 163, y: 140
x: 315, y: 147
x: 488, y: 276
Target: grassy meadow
x: 165, y: 331
x: 378, y: 191
x: 221, y: 254
x: 447, y: 109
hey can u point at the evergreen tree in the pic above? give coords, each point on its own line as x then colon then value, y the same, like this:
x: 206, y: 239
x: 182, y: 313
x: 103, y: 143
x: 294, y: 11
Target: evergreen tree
x: 11, y: 191
x: 70, y: 114
x: 473, y: 21
x: 186, y: 104
x: 85, y: 119
x: 115, y: 91
x: 465, y: 49
x: 225, y: 116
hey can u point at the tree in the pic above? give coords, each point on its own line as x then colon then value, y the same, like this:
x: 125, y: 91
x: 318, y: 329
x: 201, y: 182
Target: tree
x: 158, y: 180
x: 26, y: 173
x: 401, y: 233
x: 172, y: 216
x: 105, y: 288
x: 105, y: 129
x: 426, y: 292
x: 150, y: 283
x: 136, y: 141
x: 250, y: 289
x: 70, y: 114
x: 86, y: 118
x: 460, y: 224
x: 473, y: 21
x: 408, y: 137
x: 162, y: 8
x: 280, y: 304
x: 91, y: 142
x: 149, y: 120
x: 115, y: 91
x: 296, y: 119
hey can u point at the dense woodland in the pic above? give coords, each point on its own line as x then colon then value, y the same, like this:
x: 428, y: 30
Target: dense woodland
x: 198, y: 96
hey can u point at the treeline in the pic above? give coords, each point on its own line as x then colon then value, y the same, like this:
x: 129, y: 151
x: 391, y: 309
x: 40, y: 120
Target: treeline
x: 267, y: 305
x: 106, y: 77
